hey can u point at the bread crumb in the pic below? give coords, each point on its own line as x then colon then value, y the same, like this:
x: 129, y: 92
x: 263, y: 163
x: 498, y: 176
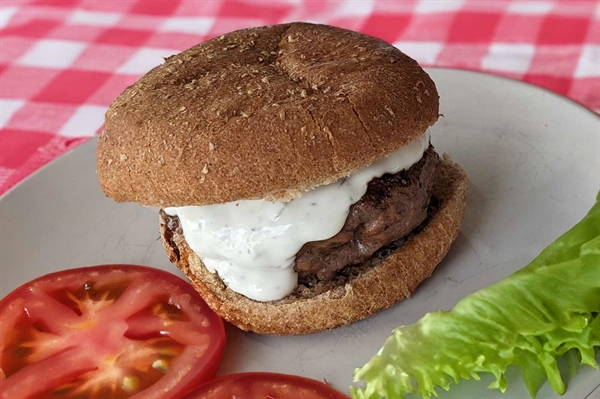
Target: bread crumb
x: 161, y: 161
x: 182, y: 108
x: 291, y: 39
x: 282, y: 114
x: 246, y: 114
x: 419, y: 99
x: 211, y: 146
x: 123, y: 157
x: 389, y: 109
x: 110, y: 161
x: 265, y: 79
x: 205, y: 169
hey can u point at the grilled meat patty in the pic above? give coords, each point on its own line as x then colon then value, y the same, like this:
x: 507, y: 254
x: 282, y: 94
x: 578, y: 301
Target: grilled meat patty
x: 391, y: 208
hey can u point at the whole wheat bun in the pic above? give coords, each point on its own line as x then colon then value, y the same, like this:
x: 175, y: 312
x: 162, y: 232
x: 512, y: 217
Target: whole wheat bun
x: 262, y: 113
x: 377, y: 286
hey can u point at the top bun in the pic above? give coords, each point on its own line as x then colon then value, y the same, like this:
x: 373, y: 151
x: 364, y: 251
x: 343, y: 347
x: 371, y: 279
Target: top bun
x: 262, y: 113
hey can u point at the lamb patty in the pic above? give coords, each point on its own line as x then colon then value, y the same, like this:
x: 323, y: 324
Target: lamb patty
x: 392, y: 207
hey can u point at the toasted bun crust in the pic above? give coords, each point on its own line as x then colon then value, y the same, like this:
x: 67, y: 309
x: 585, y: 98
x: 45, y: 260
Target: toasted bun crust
x: 378, y: 287
x: 265, y: 112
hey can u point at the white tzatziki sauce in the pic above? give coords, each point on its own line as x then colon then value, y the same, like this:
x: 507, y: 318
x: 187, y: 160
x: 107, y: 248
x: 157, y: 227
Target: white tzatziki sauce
x: 252, y: 244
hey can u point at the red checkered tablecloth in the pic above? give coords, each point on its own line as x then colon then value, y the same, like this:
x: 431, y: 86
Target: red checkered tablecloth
x: 62, y: 62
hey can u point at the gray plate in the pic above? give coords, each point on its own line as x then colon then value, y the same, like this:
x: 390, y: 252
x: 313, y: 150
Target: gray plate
x: 533, y: 160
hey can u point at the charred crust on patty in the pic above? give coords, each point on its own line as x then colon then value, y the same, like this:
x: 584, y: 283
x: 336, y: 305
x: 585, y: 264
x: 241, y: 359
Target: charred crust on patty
x: 392, y: 207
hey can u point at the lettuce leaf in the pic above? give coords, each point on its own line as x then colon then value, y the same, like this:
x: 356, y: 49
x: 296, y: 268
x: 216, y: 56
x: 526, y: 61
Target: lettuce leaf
x: 544, y: 311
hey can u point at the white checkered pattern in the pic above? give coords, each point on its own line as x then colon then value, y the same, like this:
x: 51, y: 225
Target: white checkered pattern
x: 50, y: 53
x: 505, y: 57
x: 589, y: 62
x: 94, y: 18
x: 145, y: 59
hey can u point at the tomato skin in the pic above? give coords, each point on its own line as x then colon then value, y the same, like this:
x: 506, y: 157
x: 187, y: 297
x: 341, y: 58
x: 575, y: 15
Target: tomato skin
x: 142, y: 330
x: 262, y: 385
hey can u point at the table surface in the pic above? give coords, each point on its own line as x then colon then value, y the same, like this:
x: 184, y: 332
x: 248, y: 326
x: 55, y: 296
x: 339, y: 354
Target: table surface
x: 62, y: 62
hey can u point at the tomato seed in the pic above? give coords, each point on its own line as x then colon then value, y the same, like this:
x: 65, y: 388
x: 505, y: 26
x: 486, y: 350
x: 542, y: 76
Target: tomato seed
x: 130, y: 383
x: 167, y: 311
x: 161, y: 365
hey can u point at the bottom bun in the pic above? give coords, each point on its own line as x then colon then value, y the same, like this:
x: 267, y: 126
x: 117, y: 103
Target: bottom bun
x: 375, y: 288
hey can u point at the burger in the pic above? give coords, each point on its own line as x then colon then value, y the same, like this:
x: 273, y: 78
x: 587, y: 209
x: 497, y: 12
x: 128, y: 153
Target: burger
x: 292, y: 165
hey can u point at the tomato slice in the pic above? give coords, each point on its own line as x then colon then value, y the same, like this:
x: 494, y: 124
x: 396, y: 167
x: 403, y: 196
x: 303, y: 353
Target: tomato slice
x: 264, y: 386
x: 114, y: 331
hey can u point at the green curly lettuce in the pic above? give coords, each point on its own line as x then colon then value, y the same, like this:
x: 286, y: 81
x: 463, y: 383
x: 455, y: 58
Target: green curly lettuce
x: 546, y: 310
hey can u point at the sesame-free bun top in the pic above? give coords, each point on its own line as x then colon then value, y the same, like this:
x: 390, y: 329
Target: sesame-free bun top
x: 267, y: 112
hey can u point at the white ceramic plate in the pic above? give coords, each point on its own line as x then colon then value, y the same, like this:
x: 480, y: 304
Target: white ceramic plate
x: 533, y: 161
